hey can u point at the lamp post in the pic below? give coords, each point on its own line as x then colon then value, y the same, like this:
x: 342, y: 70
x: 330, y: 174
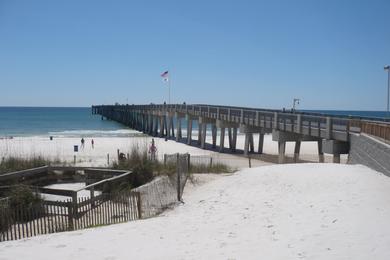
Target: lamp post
x: 295, y: 102
x: 388, y: 86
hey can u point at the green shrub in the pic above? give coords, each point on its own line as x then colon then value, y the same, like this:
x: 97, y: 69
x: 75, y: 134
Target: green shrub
x: 207, y: 168
x: 21, y: 199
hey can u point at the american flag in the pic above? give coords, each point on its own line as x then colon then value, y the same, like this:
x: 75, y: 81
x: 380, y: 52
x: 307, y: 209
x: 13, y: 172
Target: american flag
x: 165, y: 76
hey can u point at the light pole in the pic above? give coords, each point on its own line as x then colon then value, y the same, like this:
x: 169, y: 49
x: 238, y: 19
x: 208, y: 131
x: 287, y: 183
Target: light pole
x: 388, y: 86
x: 295, y: 102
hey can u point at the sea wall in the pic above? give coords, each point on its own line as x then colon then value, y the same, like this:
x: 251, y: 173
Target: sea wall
x: 370, y: 152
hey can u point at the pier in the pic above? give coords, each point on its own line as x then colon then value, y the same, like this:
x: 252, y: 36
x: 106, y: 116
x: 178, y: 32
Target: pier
x: 332, y: 133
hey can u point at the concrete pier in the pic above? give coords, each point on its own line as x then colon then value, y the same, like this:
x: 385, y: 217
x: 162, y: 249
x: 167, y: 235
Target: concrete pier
x: 331, y: 133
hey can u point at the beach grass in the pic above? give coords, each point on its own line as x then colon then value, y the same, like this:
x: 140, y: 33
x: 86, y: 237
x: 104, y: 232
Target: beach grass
x: 11, y: 164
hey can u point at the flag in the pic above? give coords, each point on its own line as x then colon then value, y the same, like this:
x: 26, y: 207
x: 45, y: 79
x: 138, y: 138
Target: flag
x: 165, y: 76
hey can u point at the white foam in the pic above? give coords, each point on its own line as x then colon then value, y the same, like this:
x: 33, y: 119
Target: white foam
x: 96, y: 133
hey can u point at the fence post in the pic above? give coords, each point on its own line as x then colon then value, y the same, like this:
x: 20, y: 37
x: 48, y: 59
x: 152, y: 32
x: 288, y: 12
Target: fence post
x: 188, y: 162
x: 108, y: 159
x: 74, y: 159
x: 165, y: 159
x: 74, y: 209
x: 250, y: 162
x: 211, y: 162
x: 70, y: 216
x: 139, y: 208
x: 92, y: 195
x: 178, y: 177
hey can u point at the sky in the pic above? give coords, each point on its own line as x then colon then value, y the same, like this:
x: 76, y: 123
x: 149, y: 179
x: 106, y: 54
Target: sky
x: 329, y: 54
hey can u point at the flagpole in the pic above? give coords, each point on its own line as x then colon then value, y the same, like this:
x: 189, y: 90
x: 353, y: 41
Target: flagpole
x: 169, y: 90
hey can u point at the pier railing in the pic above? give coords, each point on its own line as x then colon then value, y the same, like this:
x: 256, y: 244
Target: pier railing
x: 376, y: 129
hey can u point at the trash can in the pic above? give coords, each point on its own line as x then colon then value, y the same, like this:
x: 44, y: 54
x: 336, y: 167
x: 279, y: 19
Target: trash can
x: 76, y: 148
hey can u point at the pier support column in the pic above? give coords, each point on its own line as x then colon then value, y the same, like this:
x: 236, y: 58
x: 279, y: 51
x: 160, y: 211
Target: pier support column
x: 230, y: 136
x: 155, y: 126
x: 251, y: 144
x: 336, y: 148
x: 297, y: 150
x: 281, y: 151
x: 199, y: 132
x: 222, y: 140
x: 234, y: 144
x: 151, y: 122
x: 178, y: 129
x: 261, y: 143
x: 232, y: 139
x: 170, y: 127
x: 203, y: 136
x: 214, y: 135
x: 162, y: 127
x: 189, y: 131
x: 232, y: 132
x: 165, y: 126
x: 246, y: 144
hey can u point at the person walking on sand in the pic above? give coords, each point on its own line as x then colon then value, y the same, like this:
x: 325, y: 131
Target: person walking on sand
x: 92, y: 143
x: 82, y: 143
x: 152, y: 150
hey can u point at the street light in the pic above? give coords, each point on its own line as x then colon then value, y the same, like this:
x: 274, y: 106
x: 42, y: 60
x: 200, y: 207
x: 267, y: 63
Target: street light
x: 388, y: 85
x: 296, y: 101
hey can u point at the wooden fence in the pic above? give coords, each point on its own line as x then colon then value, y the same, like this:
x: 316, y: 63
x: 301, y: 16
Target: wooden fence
x: 56, y: 216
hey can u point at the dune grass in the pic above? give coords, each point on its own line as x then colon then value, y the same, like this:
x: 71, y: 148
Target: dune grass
x: 11, y: 164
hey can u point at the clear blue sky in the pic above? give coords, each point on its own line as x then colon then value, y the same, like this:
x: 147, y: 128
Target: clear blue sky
x: 330, y: 54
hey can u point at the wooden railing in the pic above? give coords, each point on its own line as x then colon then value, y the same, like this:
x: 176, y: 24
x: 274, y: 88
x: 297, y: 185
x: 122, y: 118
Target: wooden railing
x: 376, y: 129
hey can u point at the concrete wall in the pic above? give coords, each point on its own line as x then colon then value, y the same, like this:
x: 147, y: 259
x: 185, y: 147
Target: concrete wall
x: 370, y: 152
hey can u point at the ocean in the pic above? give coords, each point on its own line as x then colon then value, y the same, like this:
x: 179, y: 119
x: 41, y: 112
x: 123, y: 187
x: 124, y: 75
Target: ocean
x: 56, y: 121
x: 79, y: 122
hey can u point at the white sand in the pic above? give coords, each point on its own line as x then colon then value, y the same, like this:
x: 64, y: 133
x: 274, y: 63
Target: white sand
x: 301, y: 211
x: 62, y: 148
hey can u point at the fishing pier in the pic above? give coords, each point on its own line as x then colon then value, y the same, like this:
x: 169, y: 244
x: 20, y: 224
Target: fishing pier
x: 332, y: 133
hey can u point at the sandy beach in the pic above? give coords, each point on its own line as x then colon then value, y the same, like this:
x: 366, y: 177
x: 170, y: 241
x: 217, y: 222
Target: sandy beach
x: 301, y: 211
x: 61, y: 148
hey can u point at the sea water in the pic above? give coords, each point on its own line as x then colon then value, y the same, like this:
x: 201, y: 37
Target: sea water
x: 58, y: 122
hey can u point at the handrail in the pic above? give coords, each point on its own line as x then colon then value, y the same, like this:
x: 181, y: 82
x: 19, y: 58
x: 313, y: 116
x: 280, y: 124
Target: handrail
x: 103, y: 181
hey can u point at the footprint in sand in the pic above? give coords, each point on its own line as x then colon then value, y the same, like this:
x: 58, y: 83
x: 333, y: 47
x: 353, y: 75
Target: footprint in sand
x: 60, y: 246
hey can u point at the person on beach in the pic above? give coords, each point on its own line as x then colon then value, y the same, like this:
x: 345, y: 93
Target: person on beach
x: 92, y: 143
x: 152, y: 150
x: 82, y: 143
